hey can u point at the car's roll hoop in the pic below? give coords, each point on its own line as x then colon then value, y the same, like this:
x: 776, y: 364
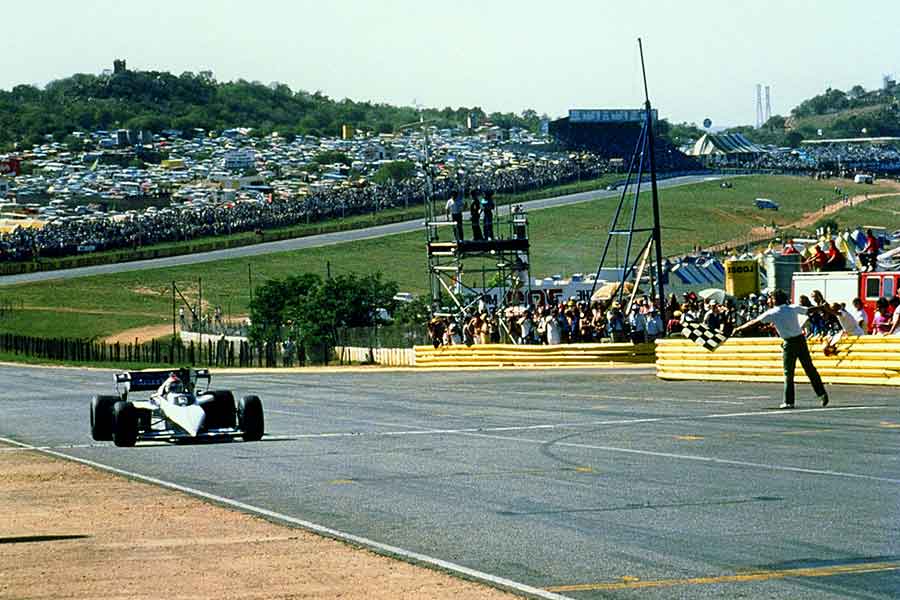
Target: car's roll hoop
x: 146, y: 381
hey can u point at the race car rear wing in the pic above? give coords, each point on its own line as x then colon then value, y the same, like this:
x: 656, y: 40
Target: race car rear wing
x: 139, y: 381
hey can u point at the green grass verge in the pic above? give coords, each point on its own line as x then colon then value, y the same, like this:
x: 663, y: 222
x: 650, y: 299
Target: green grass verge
x: 54, y: 323
x: 880, y: 212
x: 564, y: 240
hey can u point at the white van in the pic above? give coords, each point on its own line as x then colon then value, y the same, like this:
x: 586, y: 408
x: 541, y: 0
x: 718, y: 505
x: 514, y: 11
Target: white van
x: 863, y: 179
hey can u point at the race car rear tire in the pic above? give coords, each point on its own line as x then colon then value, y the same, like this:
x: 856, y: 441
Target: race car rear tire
x: 125, y: 424
x: 102, y: 417
x: 220, y: 410
x: 250, y: 418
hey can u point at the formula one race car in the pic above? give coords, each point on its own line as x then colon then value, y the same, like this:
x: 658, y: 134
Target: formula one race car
x: 176, y: 410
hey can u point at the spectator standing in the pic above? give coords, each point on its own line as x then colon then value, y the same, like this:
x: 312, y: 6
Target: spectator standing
x: 674, y: 324
x: 655, y: 327
x: 454, y: 210
x: 881, y: 320
x: 475, y: 217
x: 526, y: 325
x: 553, y: 329
x: 637, y: 325
x: 895, y: 316
x: 859, y: 314
x: 487, y: 209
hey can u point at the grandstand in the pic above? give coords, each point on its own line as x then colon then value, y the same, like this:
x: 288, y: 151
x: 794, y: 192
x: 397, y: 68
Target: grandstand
x: 613, y: 134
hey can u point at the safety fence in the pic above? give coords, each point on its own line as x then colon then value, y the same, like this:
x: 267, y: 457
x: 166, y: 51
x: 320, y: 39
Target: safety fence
x: 510, y: 355
x: 868, y: 360
x: 386, y: 357
x: 207, y: 353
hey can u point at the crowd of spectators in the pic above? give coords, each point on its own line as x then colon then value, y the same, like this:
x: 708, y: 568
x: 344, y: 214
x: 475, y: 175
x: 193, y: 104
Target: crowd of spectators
x: 573, y: 321
x: 837, y: 159
x: 258, y: 212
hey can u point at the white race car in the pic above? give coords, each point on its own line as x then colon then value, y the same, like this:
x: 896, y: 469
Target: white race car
x: 176, y: 409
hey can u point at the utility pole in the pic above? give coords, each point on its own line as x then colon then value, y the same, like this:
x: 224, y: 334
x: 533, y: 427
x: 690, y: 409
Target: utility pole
x: 657, y: 233
x: 200, y: 305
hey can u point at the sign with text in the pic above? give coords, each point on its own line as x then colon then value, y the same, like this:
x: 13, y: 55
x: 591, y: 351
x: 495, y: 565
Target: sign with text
x: 609, y: 115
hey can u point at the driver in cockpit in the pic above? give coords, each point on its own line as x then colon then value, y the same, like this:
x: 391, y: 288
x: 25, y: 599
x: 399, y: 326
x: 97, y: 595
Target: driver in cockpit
x: 172, y: 385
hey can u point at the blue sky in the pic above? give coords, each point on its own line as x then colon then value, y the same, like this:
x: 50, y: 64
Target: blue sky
x: 704, y: 58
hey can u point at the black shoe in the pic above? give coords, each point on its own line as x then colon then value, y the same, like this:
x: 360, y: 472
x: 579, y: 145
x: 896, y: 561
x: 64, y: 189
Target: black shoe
x: 824, y: 399
x: 786, y: 406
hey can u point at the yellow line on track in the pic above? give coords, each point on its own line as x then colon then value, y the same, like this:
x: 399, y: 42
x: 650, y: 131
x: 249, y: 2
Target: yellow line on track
x: 632, y: 583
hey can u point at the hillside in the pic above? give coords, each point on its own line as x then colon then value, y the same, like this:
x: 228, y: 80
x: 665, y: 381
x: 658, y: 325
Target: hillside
x: 156, y: 101
x: 837, y: 114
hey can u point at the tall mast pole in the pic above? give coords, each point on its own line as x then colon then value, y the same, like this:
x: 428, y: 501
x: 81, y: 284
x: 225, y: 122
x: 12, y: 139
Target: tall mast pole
x: 657, y: 234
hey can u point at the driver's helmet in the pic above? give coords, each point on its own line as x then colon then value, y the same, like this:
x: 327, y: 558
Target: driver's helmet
x: 175, y: 385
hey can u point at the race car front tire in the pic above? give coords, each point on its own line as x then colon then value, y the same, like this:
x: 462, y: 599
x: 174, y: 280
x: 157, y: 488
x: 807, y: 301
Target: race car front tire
x: 102, y: 417
x: 220, y: 410
x: 125, y: 424
x: 250, y: 418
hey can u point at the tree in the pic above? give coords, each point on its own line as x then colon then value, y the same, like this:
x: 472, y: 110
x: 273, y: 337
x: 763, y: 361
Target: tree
x: 396, y: 171
x: 272, y: 302
x: 857, y: 91
x: 793, y: 139
x: 414, y: 312
x: 329, y: 157
x: 310, y: 312
x: 343, y: 301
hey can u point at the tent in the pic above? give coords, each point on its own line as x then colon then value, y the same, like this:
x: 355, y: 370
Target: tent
x: 726, y: 145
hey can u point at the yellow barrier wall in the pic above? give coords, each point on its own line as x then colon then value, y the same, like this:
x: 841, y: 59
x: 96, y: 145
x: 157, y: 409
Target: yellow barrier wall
x: 510, y: 355
x: 868, y: 360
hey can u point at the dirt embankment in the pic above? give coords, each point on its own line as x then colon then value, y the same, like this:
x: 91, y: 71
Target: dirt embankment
x: 141, y: 334
x: 809, y: 219
x: 69, y: 531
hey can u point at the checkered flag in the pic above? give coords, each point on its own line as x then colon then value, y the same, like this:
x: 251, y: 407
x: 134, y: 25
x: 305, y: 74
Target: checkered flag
x: 703, y: 336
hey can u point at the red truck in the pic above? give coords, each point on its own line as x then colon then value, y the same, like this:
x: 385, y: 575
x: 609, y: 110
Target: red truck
x: 844, y: 286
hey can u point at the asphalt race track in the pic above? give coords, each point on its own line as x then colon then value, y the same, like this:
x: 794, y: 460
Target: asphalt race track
x: 314, y: 241
x: 587, y: 484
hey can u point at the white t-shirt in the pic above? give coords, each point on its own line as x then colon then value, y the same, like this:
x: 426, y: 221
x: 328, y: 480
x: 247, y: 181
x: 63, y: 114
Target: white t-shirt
x: 859, y: 316
x: 554, y: 333
x: 849, y: 323
x: 787, y: 319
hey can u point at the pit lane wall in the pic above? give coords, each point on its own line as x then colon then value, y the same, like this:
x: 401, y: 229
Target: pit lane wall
x: 867, y: 360
x: 510, y: 355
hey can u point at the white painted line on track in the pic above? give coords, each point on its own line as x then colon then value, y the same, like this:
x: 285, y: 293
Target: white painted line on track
x: 366, y: 421
x: 394, y: 551
x: 693, y: 457
x: 549, y: 426
x: 60, y: 447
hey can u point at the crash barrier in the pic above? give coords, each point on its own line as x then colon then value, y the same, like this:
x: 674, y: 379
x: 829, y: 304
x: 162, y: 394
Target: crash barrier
x: 510, y: 355
x: 868, y: 360
x: 208, y: 353
x: 388, y: 357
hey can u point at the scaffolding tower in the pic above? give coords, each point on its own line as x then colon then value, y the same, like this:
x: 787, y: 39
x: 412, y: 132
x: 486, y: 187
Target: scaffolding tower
x: 500, y: 266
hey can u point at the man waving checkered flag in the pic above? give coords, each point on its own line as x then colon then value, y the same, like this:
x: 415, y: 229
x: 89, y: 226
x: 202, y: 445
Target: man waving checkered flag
x: 703, y: 336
